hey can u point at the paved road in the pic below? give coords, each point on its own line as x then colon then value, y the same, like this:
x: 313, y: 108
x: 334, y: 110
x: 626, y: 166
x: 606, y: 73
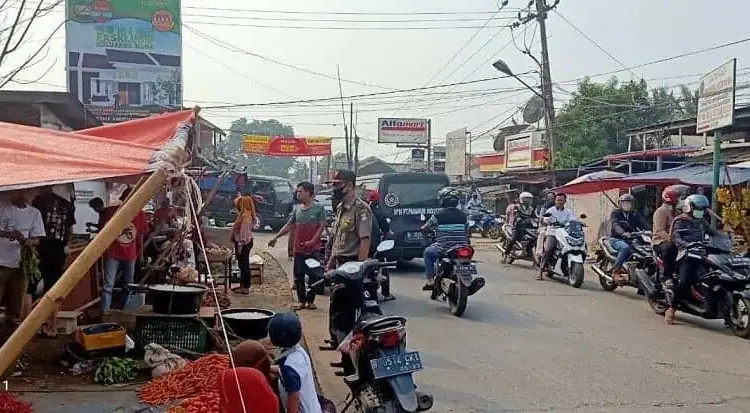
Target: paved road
x: 541, y: 346
x: 527, y: 346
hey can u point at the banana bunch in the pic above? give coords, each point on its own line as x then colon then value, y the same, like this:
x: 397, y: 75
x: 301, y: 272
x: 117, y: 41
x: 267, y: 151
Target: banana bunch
x: 724, y: 195
x: 731, y: 214
x: 115, y: 370
x: 746, y: 198
x: 30, y: 264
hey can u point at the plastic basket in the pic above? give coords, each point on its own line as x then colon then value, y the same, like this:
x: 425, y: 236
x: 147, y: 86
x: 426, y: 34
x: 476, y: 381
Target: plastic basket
x: 174, y: 333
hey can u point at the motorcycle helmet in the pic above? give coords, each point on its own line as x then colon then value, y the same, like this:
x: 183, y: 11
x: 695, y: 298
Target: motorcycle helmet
x: 674, y: 193
x: 448, y: 197
x: 696, y: 205
x: 526, y: 198
x: 285, y: 330
x: 626, y: 202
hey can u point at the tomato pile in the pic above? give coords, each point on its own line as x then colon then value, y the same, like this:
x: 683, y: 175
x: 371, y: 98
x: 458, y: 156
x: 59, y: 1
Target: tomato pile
x: 192, y: 380
x: 10, y: 404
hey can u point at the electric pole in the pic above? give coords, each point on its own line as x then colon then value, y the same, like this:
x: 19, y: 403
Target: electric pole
x: 351, y: 134
x: 356, y: 147
x: 549, y: 106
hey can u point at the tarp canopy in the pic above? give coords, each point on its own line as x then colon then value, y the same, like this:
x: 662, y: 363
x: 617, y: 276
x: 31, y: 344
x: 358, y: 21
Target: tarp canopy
x: 31, y: 157
x: 696, y: 175
x: 596, y: 176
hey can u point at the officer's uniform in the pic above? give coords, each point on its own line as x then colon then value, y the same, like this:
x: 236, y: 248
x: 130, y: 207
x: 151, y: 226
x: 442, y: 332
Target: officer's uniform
x: 353, y: 222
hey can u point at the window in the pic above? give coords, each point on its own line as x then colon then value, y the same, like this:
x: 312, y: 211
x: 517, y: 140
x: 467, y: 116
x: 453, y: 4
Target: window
x: 415, y: 193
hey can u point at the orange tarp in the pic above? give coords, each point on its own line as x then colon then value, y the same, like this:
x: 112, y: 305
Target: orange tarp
x: 31, y: 156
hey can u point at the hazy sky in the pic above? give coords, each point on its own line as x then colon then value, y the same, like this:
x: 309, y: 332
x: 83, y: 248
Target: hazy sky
x: 634, y: 32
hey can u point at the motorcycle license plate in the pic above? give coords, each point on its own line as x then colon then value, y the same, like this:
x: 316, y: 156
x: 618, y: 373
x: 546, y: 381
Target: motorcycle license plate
x: 413, y: 236
x: 396, y: 365
x: 466, y: 269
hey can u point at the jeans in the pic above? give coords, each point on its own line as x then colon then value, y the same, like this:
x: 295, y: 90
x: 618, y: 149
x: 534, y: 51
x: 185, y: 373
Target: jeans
x: 111, y: 267
x: 242, y: 253
x: 623, y: 251
x: 431, y: 255
x: 313, y: 274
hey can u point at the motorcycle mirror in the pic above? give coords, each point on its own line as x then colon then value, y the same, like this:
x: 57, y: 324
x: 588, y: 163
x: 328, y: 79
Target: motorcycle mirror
x: 583, y: 216
x: 312, y: 263
x: 386, y: 245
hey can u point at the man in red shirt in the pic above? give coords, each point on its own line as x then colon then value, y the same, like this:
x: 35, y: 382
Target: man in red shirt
x: 122, y: 254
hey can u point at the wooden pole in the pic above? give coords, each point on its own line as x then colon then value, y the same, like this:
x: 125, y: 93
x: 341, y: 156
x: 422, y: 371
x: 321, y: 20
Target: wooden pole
x: 12, y: 349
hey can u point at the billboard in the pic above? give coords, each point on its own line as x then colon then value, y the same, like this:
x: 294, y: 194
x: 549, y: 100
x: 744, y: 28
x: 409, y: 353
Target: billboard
x: 403, y: 131
x: 286, y: 146
x: 518, y: 151
x: 124, y: 57
x: 455, y: 153
x: 417, y: 159
x: 716, y: 98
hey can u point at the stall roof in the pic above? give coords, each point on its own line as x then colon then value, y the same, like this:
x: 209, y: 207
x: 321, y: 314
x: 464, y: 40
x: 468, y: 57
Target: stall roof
x: 651, y: 153
x: 696, y: 174
x: 673, y: 127
x: 36, y: 157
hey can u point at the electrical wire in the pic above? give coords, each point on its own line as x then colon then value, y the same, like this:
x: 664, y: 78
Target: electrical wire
x: 340, y: 13
x: 344, y: 28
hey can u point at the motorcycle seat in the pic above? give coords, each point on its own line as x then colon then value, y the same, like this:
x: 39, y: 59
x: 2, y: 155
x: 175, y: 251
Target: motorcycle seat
x: 607, y: 246
x: 375, y: 322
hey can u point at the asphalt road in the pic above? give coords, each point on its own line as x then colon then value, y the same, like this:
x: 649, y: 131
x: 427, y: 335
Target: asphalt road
x: 539, y: 346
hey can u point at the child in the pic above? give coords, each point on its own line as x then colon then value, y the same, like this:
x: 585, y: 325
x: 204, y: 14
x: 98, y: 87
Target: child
x: 296, y: 381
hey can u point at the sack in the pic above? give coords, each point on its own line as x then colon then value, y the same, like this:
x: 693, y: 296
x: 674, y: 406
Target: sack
x: 161, y: 360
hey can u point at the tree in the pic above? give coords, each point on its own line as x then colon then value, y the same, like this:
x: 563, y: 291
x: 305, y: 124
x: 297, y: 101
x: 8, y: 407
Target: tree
x: 595, y: 121
x: 259, y: 165
x: 16, y: 19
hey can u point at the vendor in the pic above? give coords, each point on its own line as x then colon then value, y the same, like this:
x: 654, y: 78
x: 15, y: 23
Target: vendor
x: 58, y: 213
x: 164, y: 216
x: 252, y: 374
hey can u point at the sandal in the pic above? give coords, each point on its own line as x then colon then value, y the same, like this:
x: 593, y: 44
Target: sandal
x: 298, y: 307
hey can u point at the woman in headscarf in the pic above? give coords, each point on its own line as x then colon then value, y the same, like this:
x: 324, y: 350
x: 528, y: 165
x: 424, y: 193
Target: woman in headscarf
x: 251, y: 378
x: 242, y: 237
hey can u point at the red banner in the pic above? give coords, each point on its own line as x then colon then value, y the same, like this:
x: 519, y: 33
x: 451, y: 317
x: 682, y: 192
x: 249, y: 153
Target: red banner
x: 286, y: 146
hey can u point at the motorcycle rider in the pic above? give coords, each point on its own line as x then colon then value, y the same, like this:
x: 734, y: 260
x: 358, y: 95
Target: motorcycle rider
x: 558, y: 213
x: 380, y: 231
x: 451, y: 230
x: 521, y: 215
x: 624, y: 220
x: 671, y: 197
x: 688, y: 227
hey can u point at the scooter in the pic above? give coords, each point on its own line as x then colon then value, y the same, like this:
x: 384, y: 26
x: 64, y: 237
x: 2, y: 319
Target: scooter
x: 379, y: 376
x: 523, y: 249
x: 570, y: 250
x: 641, y: 259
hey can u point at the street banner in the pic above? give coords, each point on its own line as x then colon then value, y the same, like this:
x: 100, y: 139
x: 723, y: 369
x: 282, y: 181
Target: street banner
x: 124, y: 57
x: 286, y: 146
x: 455, y: 153
x: 716, y: 95
x: 403, y: 131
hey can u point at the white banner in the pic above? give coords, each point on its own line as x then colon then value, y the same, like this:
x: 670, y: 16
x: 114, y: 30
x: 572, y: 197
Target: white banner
x: 403, y: 131
x: 455, y: 153
x: 716, y: 98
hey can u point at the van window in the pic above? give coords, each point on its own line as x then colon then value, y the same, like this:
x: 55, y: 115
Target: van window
x: 411, y: 194
x: 282, y: 188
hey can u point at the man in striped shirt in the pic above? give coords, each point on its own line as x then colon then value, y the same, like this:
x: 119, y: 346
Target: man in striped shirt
x: 451, y: 230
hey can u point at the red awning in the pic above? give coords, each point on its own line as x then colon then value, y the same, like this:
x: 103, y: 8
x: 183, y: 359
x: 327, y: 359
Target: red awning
x: 31, y: 156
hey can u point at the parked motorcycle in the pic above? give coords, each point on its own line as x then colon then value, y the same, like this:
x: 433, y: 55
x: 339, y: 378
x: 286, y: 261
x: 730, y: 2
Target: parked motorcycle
x: 522, y: 249
x: 379, y: 376
x: 486, y: 223
x: 642, y: 259
x: 720, y: 290
x: 570, y: 250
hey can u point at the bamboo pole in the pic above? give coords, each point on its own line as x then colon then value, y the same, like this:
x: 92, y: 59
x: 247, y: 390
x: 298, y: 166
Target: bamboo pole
x: 12, y: 349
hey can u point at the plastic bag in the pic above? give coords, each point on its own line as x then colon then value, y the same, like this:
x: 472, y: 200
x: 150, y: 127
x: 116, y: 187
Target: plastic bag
x: 161, y: 360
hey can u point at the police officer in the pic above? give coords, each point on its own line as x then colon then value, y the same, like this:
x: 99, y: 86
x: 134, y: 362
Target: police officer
x: 353, y: 226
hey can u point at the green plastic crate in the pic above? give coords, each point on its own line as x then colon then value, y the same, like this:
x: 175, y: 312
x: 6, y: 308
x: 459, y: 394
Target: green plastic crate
x: 175, y: 333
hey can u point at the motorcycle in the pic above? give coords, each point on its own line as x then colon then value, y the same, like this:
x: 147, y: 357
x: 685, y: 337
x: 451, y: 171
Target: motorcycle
x: 379, y: 370
x: 486, y: 223
x: 570, y: 250
x: 720, y: 290
x: 522, y: 249
x: 642, y: 259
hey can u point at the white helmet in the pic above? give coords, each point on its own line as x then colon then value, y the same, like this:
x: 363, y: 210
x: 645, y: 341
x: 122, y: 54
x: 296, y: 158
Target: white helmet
x: 525, y: 195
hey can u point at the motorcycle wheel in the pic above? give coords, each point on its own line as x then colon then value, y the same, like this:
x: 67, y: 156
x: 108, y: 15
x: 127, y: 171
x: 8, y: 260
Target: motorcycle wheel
x: 607, y: 285
x: 575, y: 275
x: 739, y: 319
x: 494, y: 232
x: 458, y: 298
x: 509, y: 258
x: 659, y: 307
x: 436, y: 288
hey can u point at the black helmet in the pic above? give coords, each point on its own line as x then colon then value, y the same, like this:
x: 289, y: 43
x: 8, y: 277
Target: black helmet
x: 285, y: 330
x: 448, y: 197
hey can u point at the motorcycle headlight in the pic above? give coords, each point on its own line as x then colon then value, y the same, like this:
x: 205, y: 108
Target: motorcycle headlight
x: 574, y: 241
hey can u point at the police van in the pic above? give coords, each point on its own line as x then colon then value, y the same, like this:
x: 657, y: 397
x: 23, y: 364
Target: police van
x: 404, y: 198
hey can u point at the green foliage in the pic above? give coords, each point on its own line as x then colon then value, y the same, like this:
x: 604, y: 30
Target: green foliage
x: 595, y: 121
x: 258, y: 165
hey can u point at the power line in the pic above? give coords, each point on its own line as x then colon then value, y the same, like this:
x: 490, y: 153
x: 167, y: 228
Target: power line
x: 329, y: 20
x: 340, y: 13
x: 349, y: 28
x: 598, y: 46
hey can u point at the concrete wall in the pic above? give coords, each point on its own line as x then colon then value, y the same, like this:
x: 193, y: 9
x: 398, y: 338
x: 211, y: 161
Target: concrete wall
x: 49, y: 120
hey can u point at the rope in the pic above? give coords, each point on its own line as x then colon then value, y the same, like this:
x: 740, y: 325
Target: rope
x: 210, y: 281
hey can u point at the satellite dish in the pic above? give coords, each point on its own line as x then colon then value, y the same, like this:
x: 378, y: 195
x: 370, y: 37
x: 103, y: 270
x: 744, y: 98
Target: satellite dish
x: 499, y: 143
x: 534, y: 110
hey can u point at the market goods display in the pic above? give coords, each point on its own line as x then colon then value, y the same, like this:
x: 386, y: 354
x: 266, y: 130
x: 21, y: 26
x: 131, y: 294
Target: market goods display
x: 208, y: 299
x: 217, y: 253
x: 207, y: 402
x: 30, y: 264
x: 734, y: 212
x: 193, y: 379
x: 187, y: 276
x: 115, y: 370
x: 9, y: 403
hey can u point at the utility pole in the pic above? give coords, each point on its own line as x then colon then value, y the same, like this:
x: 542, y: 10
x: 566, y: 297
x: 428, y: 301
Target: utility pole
x: 346, y: 130
x: 351, y: 134
x: 429, y: 146
x: 356, y: 148
x: 549, y: 107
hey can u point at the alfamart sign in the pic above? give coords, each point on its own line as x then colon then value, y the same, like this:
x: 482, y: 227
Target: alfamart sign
x: 403, y: 131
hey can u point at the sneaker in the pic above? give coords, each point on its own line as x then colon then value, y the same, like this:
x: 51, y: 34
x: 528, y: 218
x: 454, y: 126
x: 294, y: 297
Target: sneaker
x: 429, y: 285
x: 312, y: 306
